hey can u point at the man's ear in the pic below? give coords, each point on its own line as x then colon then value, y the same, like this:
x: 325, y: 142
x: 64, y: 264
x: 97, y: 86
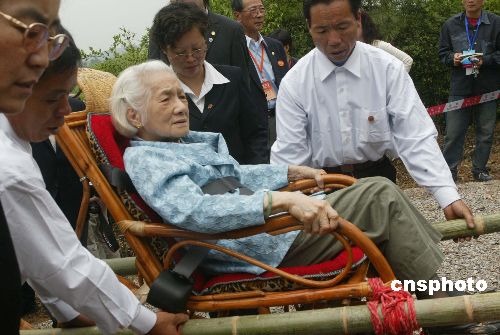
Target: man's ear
x: 134, y: 118
x: 236, y: 16
x: 358, y: 16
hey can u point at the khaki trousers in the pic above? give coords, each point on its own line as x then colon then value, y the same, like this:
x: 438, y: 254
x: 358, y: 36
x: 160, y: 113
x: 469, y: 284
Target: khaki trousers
x: 385, y: 214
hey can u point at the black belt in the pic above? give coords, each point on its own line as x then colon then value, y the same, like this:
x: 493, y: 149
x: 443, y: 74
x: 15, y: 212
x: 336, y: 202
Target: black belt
x: 271, y: 112
x: 357, y: 167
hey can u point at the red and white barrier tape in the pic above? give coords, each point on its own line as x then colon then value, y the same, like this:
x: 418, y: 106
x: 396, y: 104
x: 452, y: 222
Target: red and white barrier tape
x: 463, y: 103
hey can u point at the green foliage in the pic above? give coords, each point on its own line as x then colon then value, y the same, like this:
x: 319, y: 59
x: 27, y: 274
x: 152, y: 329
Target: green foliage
x: 124, y: 52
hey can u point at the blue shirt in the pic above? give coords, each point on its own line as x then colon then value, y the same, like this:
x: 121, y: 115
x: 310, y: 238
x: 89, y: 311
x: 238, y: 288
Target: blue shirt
x: 169, y: 177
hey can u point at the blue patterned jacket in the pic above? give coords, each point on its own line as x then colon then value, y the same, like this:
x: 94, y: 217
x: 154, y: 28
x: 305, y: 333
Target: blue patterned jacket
x: 169, y: 177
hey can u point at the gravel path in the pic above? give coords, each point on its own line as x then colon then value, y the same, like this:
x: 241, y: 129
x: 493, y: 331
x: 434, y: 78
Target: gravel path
x: 478, y: 259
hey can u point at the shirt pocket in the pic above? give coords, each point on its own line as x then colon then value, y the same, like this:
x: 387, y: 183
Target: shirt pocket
x: 373, y: 125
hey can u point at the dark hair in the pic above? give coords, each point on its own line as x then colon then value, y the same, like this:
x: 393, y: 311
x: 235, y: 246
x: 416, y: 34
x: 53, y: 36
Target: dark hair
x: 283, y: 36
x: 176, y: 19
x: 69, y: 59
x: 355, y: 6
x: 206, y: 3
x: 369, y: 29
x: 237, y: 5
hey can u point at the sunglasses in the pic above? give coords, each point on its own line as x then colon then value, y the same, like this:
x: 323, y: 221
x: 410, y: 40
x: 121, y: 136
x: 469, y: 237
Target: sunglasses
x: 36, y: 35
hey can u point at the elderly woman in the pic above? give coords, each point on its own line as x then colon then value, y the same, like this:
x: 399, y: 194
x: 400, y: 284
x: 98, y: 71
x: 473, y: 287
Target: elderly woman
x: 218, y: 98
x: 171, y: 167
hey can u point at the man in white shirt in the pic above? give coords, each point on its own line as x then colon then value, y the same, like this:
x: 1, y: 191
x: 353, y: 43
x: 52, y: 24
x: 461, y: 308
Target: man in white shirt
x: 346, y: 104
x: 67, y: 277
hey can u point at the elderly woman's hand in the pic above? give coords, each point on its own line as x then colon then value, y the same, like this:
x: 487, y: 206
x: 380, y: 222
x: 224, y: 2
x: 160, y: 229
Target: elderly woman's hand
x: 317, y: 215
x: 304, y: 172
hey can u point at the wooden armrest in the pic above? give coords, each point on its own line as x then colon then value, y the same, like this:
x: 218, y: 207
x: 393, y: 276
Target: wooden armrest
x: 146, y: 229
x: 331, y: 181
x: 279, y: 223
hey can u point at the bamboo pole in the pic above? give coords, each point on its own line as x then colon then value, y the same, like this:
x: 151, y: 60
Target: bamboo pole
x: 122, y: 266
x: 486, y: 224
x: 343, y: 320
x: 350, y: 319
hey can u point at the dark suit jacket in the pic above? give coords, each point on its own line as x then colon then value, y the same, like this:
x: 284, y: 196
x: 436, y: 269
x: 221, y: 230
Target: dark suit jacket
x: 229, y: 110
x: 226, y: 44
x: 60, y: 179
x: 277, y: 56
x: 10, y: 282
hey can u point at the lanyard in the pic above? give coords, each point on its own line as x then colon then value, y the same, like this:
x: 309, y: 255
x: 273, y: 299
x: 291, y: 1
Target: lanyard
x: 261, y: 66
x: 473, y: 41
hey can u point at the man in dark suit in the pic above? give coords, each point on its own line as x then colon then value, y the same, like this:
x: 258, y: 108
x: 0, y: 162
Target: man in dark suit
x: 225, y: 41
x: 269, y: 62
x: 60, y: 179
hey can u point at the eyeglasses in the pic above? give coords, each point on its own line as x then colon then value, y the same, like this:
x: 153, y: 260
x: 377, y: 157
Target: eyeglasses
x: 196, y: 53
x: 254, y: 11
x: 36, y: 35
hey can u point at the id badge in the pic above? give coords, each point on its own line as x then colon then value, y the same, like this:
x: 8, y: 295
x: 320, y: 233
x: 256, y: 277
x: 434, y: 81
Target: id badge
x: 466, y: 63
x: 269, y: 90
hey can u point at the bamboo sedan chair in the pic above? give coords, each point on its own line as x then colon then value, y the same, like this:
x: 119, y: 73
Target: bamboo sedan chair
x: 226, y: 292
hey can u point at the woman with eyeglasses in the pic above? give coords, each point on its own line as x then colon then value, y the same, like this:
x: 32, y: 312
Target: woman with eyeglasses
x: 218, y: 98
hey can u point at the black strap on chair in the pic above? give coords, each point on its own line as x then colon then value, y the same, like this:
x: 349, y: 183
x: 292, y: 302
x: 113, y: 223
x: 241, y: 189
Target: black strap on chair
x: 171, y: 290
x: 225, y: 185
x: 117, y: 178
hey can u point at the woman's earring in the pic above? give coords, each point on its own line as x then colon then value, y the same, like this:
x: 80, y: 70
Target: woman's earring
x: 139, y: 125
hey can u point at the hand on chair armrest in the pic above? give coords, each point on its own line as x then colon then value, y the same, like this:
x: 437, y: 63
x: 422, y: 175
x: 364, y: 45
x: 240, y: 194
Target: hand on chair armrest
x: 317, y: 216
x: 304, y: 172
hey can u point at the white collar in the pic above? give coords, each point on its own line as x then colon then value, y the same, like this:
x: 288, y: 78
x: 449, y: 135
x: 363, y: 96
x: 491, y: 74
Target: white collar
x: 212, y: 77
x: 7, y: 129
x: 250, y: 40
x: 325, y: 66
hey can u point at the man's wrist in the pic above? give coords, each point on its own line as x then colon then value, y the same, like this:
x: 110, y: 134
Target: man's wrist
x: 144, y: 321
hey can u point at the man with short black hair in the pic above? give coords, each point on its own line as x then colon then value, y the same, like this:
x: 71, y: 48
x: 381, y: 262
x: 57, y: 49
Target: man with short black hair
x: 474, y: 32
x: 269, y: 61
x: 346, y: 104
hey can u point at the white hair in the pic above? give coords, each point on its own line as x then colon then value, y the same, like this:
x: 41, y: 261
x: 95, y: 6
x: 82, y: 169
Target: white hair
x: 132, y: 89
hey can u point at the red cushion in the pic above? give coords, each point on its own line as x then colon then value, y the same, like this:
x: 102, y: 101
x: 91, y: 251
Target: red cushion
x: 113, y: 146
x: 319, y: 271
